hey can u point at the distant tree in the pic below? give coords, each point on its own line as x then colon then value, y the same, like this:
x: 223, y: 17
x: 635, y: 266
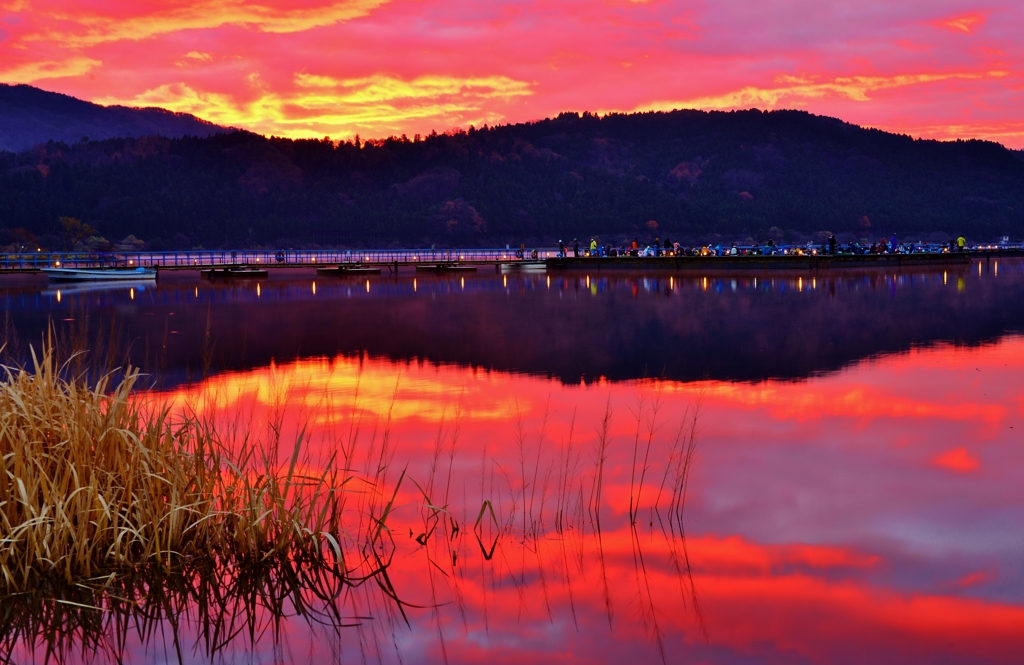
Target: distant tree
x: 73, y: 231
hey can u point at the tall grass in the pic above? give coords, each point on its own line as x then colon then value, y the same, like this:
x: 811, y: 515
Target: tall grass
x: 96, y: 480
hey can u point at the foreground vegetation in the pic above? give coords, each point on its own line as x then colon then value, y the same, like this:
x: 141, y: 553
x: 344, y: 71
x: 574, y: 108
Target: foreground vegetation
x: 96, y: 482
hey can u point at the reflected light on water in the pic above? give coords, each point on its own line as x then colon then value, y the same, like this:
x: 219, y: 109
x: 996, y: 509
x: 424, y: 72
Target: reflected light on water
x: 823, y: 504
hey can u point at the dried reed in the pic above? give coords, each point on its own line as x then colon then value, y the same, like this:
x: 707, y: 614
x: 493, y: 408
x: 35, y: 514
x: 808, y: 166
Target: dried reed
x: 97, y: 481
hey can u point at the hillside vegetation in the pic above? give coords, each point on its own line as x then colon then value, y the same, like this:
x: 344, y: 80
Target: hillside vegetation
x: 688, y: 175
x: 29, y: 116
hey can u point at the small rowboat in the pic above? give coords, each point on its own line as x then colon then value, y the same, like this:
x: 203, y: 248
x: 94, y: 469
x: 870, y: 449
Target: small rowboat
x: 341, y: 271
x: 446, y: 267
x: 99, y: 274
x: 241, y: 272
x: 527, y: 266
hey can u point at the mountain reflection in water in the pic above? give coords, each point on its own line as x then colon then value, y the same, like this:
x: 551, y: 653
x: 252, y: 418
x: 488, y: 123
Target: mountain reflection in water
x: 569, y: 325
x: 868, y: 514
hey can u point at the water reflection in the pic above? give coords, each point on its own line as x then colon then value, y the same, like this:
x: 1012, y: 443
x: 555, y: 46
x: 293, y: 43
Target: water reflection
x: 869, y: 514
x: 573, y: 326
x: 865, y: 516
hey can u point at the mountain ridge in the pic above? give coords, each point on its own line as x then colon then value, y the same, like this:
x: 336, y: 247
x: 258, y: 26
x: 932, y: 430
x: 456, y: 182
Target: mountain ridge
x: 32, y: 116
x: 694, y: 176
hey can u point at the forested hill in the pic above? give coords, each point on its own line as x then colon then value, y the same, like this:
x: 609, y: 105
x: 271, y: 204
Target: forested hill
x: 688, y: 175
x: 29, y: 116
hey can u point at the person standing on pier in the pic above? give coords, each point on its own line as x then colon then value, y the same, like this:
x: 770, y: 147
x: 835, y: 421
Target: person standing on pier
x: 961, y: 244
x: 893, y: 244
x: 832, y: 244
x: 576, y: 247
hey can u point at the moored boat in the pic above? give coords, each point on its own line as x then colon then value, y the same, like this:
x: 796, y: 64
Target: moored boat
x: 235, y: 272
x: 99, y: 274
x: 517, y: 266
x: 342, y: 270
x: 446, y: 267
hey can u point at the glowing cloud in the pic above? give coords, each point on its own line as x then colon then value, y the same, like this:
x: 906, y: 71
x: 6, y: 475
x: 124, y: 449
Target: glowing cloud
x: 95, y: 28
x: 966, y: 23
x: 37, y: 71
x: 797, y: 91
x: 958, y: 459
x: 322, y: 105
x: 339, y: 67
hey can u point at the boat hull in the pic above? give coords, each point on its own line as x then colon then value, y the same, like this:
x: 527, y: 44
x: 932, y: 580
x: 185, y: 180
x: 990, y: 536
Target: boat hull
x: 446, y: 267
x: 524, y: 266
x: 341, y: 271
x: 235, y: 273
x: 100, y: 274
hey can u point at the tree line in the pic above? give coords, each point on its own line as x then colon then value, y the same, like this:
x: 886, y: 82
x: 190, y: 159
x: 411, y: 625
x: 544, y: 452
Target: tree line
x: 689, y: 175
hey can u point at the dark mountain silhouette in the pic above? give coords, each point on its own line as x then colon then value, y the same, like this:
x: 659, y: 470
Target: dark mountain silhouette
x: 29, y: 116
x: 690, y: 175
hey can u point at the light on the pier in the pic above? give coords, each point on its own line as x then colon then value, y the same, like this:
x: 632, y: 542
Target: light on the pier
x: 130, y: 261
x: 58, y: 264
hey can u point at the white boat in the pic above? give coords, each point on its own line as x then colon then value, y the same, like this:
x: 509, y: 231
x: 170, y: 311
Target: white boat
x: 70, y: 288
x: 99, y: 274
x: 529, y: 266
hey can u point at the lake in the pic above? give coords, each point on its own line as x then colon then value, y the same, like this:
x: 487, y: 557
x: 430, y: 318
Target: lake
x: 606, y: 467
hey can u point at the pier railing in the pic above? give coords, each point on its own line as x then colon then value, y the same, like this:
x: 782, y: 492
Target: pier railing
x: 314, y: 257
x: 268, y: 257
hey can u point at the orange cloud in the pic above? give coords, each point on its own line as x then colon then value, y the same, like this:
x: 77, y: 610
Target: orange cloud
x: 959, y: 460
x: 324, y: 106
x: 48, y: 69
x: 88, y: 28
x: 966, y: 23
x: 797, y: 91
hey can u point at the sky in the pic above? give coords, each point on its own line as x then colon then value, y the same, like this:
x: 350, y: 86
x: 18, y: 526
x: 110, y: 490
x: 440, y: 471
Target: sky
x: 313, y: 68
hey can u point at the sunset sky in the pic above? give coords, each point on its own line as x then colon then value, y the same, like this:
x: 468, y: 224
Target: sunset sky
x: 312, y: 68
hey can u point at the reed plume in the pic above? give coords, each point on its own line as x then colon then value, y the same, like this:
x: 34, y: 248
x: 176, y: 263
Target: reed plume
x: 96, y: 480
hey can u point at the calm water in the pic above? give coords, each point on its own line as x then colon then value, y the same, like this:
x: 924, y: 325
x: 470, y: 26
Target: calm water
x: 855, y: 493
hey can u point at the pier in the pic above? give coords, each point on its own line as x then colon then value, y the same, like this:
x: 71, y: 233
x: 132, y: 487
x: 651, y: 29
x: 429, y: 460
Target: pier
x: 547, y: 258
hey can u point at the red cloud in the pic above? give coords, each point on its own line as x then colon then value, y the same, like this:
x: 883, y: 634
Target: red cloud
x: 967, y: 23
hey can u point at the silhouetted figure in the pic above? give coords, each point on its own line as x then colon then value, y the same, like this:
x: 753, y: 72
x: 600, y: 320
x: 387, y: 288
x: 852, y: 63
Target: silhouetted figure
x: 561, y: 249
x: 832, y: 244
